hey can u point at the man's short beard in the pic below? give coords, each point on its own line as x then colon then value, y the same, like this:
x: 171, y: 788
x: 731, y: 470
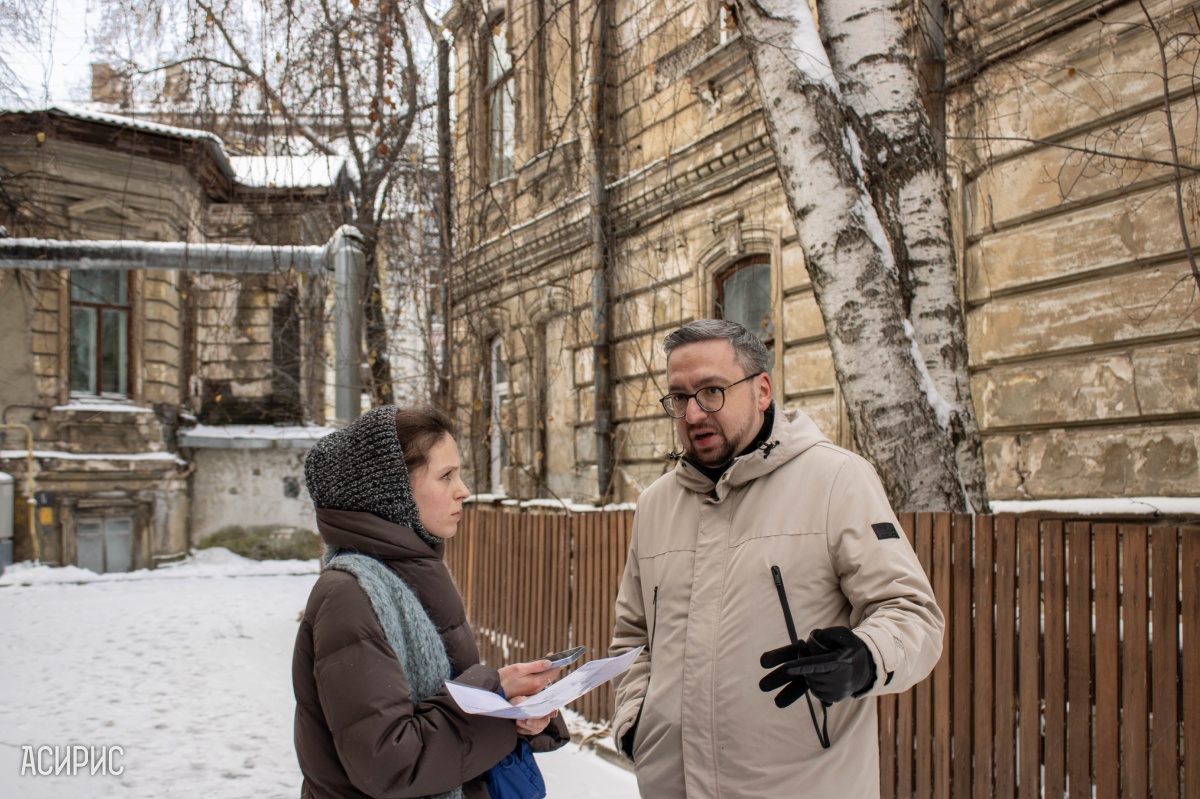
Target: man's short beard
x: 725, y: 454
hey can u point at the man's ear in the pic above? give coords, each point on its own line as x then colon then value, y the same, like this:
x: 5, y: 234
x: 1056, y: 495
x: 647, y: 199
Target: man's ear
x: 765, y: 391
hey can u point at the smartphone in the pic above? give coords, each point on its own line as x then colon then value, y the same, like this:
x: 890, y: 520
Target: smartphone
x: 566, y: 657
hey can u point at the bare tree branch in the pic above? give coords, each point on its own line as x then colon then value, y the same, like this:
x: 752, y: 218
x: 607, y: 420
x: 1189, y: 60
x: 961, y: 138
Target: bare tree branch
x: 1166, y: 79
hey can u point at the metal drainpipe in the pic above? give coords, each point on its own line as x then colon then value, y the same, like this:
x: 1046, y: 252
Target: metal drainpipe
x: 601, y: 249
x: 29, y: 500
x: 349, y: 268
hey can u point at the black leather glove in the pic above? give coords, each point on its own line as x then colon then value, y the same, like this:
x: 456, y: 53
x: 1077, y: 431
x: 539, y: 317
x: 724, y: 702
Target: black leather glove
x: 793, y: 686
x: 837, y: 665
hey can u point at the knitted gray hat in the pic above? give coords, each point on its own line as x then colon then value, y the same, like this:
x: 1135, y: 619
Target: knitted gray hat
x: 361, y: 468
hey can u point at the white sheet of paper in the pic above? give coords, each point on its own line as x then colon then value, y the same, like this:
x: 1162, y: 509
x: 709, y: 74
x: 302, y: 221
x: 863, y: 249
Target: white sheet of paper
x: 588, y: 676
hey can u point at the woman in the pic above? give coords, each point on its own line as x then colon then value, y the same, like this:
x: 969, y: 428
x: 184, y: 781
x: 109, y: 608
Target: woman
x: 385, y: 626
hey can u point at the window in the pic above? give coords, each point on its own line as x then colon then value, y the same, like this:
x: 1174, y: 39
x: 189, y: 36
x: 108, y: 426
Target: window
x: 100, y: 332
x: 725, y: 21
x: 498, y: 97
x: 499, y: 401
x: 557, y: 65
x: 743, y: 295
x: 104, y: 544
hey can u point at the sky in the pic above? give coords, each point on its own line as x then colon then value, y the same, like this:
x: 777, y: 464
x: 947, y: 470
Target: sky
x: 188, y: 670
x: 56, y: 67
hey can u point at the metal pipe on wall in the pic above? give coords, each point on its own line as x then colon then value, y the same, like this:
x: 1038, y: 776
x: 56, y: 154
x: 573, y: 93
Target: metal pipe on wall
x: 601, y: 256
x: 343, y: 254
x: 244, y: 259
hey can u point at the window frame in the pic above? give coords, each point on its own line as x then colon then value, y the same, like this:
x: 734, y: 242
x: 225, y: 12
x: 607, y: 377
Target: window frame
x: 503, y: 82
x: 125, y: 375
x: 722, y: 276
x: 500, y: 395
x: 724, y: 13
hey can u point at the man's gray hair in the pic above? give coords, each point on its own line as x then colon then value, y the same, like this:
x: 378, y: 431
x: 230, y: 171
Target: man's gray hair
x: 748, y: 350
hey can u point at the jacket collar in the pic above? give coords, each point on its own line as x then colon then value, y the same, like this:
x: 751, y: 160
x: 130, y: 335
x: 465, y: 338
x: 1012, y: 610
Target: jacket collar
x: 356, y: 531
x: 792, y: 434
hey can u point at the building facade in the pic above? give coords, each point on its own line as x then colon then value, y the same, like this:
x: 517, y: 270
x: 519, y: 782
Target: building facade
x: 1081, y: 307
x: 105, y: 366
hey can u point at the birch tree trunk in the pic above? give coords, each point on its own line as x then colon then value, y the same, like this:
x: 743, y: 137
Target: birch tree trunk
x: 875, y: 73
x: 900, y: 417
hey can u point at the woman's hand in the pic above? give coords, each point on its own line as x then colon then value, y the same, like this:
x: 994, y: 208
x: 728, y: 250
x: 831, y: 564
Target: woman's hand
x: 526, y: 679
x: 532, y: 726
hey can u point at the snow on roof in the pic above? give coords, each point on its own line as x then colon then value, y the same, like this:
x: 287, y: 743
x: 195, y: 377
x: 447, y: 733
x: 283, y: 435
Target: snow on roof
x: 314, y: 170
x: 85, y: 113
x: 252, y: 436
x: 214, y: 142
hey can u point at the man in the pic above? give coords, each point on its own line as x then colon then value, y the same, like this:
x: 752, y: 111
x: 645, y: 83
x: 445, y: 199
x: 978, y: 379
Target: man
x: 773, y: 590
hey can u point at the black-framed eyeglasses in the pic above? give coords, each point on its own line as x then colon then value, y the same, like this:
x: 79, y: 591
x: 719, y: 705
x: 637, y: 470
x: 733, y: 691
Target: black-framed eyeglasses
x: 709, y: 399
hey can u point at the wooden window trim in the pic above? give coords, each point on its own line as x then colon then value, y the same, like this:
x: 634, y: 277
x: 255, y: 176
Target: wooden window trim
x: 130, y: 335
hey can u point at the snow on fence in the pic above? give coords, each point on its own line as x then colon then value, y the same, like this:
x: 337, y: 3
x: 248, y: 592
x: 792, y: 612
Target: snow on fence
x: 1090, y: 701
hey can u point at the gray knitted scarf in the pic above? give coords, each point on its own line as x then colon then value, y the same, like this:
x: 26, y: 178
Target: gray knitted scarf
x: 408, y: 628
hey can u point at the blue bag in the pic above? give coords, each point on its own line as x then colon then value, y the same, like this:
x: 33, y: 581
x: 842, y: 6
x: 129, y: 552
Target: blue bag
x: 517, y: 776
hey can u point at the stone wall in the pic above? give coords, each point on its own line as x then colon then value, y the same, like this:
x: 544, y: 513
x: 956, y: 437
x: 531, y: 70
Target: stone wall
x: 248, y: 488
x: 1082, y: 313
x: 1082, y: 317
x: 693, y: 190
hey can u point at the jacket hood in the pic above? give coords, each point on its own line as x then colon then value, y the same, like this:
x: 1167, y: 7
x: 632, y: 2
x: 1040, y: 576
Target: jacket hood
x: 361, y: 468
x: 366, y: 533
x: 792, y: 433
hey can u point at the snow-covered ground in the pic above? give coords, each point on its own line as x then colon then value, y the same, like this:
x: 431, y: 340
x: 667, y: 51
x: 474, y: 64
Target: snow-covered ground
x: 188, y: 670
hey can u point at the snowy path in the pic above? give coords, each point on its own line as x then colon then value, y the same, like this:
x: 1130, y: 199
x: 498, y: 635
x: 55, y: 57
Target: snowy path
x: 190, y: 675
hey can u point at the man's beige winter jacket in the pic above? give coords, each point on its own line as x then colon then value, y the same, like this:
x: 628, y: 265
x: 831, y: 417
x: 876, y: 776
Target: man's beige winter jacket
x: 698, y: 592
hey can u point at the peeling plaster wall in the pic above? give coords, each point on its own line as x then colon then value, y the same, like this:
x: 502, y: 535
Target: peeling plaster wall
x: 249, y: 488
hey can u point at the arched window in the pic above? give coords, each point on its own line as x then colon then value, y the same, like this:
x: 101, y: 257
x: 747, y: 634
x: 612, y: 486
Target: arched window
x: 742, y: 294
x: 499, y: 457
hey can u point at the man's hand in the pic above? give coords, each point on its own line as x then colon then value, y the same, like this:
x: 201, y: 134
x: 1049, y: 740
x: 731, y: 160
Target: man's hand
x: 837, y: 665
x: 527, y: 679
x: 793, y: 686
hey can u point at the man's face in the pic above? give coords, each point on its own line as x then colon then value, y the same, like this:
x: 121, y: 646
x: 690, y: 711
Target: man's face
x: 712, y: 439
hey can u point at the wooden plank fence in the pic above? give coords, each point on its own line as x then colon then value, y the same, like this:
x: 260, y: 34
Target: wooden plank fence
x: 1062, y: 671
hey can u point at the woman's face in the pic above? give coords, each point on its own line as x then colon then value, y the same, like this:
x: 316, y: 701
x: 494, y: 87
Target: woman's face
x: 439, y: 490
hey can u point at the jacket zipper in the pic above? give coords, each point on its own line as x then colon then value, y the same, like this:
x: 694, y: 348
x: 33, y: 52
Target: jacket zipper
x: 654, y: 621
x: 783, y: 601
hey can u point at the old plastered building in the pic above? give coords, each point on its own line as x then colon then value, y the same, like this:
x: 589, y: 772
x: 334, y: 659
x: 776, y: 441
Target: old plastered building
x: 107, y: 365
x: 1082, y: 312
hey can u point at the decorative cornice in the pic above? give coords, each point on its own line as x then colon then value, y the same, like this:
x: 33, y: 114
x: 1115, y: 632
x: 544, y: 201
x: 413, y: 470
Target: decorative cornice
x: 982, y: 42
x: 664, y: 187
